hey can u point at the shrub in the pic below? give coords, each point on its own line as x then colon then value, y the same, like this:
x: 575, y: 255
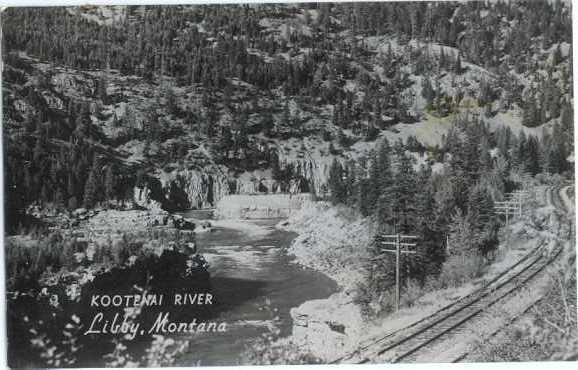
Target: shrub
x: 461, y: 268
x: 412, y: 291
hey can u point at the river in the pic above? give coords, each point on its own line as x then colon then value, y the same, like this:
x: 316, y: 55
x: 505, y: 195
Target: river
x: 255, y: 281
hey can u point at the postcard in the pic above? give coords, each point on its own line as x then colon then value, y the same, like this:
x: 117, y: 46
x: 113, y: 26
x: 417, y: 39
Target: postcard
x: 289, y: 183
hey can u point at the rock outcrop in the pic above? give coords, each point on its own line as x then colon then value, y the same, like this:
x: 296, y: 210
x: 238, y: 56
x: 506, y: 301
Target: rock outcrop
x: 200, y: 189
x: 328, y: 326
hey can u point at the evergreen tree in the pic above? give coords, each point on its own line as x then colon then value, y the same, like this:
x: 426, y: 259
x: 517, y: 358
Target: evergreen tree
x: 458, y: 65
x: 101, y: 87
x: 532, y: 155
x: 403, y: 195
x: 459, y: 240
x: 380, y: 184
x: 350, y: 183
x: 531, y: 115
x: 557, y: 56
x: 336, y: 183
x: 428, y: 93
x: 519, y: 152
x: 91, y: 188
x: 268, y: 123
x: 226, y: 142
x: 430, y: 241
x: 482, y: 220
x: 110, y: 183
x: 557, y: 150
x: 171, y: 101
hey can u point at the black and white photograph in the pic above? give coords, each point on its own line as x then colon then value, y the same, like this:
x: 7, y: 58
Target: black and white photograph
x: 289, y: 183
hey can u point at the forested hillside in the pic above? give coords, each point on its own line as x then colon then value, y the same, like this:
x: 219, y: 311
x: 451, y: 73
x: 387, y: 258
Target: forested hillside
x: 231, y: 99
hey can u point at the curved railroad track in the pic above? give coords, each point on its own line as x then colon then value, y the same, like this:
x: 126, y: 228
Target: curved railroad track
x: 406, y: 343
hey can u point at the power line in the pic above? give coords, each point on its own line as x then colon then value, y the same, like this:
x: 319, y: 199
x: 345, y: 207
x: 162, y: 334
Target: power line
x: 398, y: 241
x: 513, y: 205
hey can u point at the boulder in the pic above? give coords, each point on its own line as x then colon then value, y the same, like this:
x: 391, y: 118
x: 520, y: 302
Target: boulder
x: 179, y: 222
x: 79, y: 212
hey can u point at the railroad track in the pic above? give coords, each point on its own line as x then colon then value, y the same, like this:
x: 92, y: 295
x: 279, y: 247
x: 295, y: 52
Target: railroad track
x: 406, y: 343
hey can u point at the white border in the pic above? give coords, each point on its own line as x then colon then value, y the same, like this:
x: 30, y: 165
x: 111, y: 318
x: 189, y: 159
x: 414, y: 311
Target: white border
x: 543, y: 365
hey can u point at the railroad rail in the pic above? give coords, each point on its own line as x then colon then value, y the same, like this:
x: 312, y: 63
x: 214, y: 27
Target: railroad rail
x: 406, y: 343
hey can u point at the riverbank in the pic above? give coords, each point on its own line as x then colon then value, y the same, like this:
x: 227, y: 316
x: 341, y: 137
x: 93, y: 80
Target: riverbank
x: 52, y: 273
x: 334, y: 242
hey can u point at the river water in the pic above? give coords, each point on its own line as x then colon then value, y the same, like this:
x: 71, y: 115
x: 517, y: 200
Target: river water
x: 256, y: 284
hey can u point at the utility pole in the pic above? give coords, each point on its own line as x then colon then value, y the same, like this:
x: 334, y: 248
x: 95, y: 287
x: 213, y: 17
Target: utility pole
x: 518, y: 196
x: 506, y: 208
x: 512, y: 205
x: 398, y: 241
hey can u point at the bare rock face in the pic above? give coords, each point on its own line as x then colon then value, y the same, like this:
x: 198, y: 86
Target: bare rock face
x: 73, y: 83
x: 195, y: 189
x: 314, y: 171
x: 328, y: 325
x: 201, y: 189
x: 142, y: 198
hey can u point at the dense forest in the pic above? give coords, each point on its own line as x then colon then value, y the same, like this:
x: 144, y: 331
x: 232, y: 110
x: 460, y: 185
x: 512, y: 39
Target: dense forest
x: 62, y: 155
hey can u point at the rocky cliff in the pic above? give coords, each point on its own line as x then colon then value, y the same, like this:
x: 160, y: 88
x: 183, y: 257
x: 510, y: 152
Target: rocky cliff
x: 199, y: 189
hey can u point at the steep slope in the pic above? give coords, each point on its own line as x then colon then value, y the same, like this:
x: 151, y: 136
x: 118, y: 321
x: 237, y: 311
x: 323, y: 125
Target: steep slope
x: 266, y: 102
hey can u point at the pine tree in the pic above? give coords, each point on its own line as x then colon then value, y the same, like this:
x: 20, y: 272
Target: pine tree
x: 336, y: 183
x: 545, y: 147
x: 442, y: 60
x: 472, y: 154
x: 39, y: 147
x: 519, y: 152
x: 403, y: 195
x: 504, y: 138
x: 151, y: 123
x: 532, y: 155
x: 267, y: 123
x: 101, y: 88
x: 72, y: 203
x: 428, y: 92
x: 531, y: 115
x: 482, y: 220
x: 171, y: 101
x: 459, y: 235
x: 426, y: 228
x: 554, y: 102
x: 381, y: 181
x: 226, y: 142
x: 91, y: 187
x: 110, y: 183
x: 59, y: 198
x: 350, y: 183
x: 558, y: 153
x: 486, y: 161
x: 458, y: 65
x: 557, y: 56
x: 567, y: 117
x: 286, y: 117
